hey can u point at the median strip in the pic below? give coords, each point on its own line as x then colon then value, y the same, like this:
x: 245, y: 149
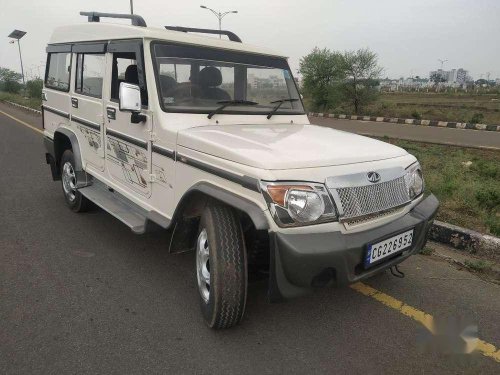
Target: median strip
x: 411, y: 121
x: 427, y: 320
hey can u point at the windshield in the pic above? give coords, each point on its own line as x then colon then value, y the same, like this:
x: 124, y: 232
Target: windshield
x: 196, y: 80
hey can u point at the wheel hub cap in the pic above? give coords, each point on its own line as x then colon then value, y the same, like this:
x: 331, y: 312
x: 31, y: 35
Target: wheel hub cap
x: 203, y: 265
x: 69, y: 181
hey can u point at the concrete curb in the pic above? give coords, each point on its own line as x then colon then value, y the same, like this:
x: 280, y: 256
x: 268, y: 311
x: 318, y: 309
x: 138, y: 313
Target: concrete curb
x: 466, y: 240
x: 23, y: 107
x: 411, y: 121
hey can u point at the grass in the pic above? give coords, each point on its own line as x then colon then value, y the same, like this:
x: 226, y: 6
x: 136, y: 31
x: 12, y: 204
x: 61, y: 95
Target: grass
x: 455, y: 107
x: 426, y: 251
x: 465, y: 180
x: 436, y: 106
x: 34, y: 103
x: 478, y: 265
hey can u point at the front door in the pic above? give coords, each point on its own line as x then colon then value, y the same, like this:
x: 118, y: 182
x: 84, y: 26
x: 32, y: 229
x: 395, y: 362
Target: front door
x: 128, y: 151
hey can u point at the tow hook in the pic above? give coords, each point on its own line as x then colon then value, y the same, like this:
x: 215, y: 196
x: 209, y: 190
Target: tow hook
x: 396, y: 272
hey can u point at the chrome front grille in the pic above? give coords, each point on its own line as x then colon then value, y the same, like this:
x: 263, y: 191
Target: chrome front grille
x: 369, y: 199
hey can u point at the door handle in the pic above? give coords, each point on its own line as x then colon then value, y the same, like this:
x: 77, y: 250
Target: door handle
x: 111, y: 113
x: 74, y: 102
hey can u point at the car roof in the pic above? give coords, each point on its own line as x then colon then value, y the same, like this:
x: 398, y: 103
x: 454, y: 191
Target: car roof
x: 99, y: 31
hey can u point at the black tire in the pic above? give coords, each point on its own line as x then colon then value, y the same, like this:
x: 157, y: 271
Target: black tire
x: 227, y: 267
x: 78, y: 203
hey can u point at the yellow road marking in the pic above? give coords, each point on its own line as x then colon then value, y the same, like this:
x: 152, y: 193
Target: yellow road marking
x: 22, y: 122
x: 427, y: 320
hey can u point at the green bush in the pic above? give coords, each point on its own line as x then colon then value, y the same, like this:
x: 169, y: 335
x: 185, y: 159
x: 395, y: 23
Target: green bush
x: 34, y: 88
x: 416, y: 115
x: 477, y: 118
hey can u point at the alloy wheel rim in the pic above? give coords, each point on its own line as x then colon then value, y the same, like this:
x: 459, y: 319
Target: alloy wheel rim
x: 69, y: 181
x: 203, y: 265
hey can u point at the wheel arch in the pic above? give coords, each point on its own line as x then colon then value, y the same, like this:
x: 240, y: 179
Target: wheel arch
x: 191, y: 206
x: 64, y: 139
x: 194, y: 200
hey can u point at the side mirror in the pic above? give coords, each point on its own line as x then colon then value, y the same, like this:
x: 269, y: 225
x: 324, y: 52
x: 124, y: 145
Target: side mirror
x: 130, y: 101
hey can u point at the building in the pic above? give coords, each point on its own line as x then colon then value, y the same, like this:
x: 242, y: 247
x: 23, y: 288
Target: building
x: 462, y: 76
x: 453, y: 77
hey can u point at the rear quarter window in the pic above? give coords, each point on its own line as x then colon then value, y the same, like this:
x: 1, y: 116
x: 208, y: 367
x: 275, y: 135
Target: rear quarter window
x: 58, y: 71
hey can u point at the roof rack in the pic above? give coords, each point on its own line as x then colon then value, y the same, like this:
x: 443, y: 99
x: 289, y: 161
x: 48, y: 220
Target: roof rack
x: 95, y: 17
x: 232, y: 36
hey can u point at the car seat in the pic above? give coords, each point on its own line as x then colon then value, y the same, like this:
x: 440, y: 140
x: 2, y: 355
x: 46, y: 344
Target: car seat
x: 209, y: 79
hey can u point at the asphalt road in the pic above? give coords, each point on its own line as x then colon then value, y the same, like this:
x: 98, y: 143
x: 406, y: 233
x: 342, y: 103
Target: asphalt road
x: 79, y: 293
x: 459, y: 137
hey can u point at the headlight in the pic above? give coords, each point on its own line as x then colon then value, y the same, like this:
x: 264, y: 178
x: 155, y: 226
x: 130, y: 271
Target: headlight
x: 298, y: 204
x: 414, y: 181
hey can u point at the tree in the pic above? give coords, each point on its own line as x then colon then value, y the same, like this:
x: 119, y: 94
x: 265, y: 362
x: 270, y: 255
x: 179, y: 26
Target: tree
x: 320, y: 70
x: 10, y: 81
x: 361, y: 73
x: 437, y: 78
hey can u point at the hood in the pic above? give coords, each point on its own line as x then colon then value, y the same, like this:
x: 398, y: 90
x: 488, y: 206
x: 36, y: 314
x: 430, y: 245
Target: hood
x: 286, y: 146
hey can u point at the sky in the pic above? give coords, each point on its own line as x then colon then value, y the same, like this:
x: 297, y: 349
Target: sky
x: 408, y: 36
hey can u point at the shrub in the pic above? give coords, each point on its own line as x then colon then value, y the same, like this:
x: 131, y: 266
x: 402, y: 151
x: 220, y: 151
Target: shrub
x: 34, y: 88
x: 416, y: 115
x: 477, y: 118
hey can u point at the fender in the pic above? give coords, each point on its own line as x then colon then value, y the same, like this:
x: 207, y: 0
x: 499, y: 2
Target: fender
x: 185, y: 228
x: 82, y: 178
x: 240, y: 203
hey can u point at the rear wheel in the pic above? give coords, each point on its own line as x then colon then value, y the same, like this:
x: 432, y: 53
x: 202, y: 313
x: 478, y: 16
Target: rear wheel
x: 221, y: 267
x: 74, y: 199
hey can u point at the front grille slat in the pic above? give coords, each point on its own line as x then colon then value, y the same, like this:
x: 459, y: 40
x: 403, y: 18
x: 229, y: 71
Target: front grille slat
x: 369, y: 199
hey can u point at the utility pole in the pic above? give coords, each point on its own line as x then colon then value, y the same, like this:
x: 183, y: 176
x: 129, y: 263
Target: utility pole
x: 17, y: 35
x: 220, y: 15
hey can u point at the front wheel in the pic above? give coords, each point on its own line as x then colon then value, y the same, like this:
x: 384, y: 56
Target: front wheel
x: 221, y: 267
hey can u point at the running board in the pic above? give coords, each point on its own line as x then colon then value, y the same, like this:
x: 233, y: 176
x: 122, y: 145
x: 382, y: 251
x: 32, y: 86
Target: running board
x: 117, y: 205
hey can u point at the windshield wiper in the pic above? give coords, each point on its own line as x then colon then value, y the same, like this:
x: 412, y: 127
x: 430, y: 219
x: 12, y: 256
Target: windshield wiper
x: 277, y: 106
x: 227, y: 103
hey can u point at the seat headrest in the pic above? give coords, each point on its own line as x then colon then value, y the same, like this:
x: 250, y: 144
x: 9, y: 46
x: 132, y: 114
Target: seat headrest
x: 167, y: 83
x: 210, y: 76
x: 131, y: 75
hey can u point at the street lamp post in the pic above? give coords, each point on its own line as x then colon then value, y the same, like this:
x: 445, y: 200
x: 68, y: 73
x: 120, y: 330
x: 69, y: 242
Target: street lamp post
x: 442, y: 63
x: 220, y: 15
x: 17, y: 35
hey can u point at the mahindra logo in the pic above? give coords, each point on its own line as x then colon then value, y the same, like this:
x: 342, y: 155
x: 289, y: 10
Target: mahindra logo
x: 373, y: 177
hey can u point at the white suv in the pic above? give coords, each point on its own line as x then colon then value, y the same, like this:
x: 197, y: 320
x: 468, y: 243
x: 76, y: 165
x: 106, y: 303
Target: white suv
x: 208, y: 139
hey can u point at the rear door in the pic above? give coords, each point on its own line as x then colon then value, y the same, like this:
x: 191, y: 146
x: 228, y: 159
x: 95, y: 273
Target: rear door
x: 128, y: 146
x: 55, y: 97
x: 87, y: 113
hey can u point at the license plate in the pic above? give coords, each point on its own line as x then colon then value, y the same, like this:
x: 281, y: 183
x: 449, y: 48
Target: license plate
x: 388, y: 247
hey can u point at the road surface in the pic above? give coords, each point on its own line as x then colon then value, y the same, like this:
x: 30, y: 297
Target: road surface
x: 459, y: 137
x: 79, y: 293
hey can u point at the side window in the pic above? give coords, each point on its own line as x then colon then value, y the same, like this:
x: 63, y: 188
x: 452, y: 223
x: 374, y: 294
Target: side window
x: 58, y: 69
x: 89, y: 74
x: 125, y: 70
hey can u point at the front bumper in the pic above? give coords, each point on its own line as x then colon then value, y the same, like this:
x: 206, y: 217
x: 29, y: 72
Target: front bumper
x: 302, y: 262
